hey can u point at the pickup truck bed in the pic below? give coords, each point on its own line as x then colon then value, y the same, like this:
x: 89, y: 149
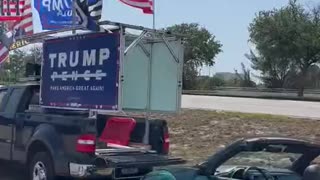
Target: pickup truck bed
x: 47, y: 141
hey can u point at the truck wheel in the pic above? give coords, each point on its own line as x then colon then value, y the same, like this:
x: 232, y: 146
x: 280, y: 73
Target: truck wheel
x: 41, y: 167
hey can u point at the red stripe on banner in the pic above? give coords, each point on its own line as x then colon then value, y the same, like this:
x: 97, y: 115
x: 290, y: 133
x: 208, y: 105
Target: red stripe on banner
x: 12, y: 10
x: 145, y: 5
x: 10, y: 18
x: 4, y: 56
x: 13, y: 3
x: 29, y: 15
x: 24, y: 17
x: 27, y: 7
x: 23, y: 21
x: 24, y: 26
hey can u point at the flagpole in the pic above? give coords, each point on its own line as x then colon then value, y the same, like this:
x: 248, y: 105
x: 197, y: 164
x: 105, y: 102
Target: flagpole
x: 146, y: 138
x: 74, y: 16
x: 154, y: 14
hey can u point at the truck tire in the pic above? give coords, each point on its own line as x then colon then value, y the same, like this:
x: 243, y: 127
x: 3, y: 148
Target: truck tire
x: 41, y: 167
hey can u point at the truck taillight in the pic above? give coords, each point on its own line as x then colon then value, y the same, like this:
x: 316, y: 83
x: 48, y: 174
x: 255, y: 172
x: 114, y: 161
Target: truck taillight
x: 86, y: 143
x: 166, y: 143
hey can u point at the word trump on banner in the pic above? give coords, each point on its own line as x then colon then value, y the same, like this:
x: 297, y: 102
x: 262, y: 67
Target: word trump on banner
x: 57, y: 14
x: 62, y: 7
x: 54, y: 14
x: 89, y: 58
x: 81, y: 72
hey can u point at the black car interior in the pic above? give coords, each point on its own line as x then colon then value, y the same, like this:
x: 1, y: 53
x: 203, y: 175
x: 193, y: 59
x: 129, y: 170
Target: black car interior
x: 301, y: 168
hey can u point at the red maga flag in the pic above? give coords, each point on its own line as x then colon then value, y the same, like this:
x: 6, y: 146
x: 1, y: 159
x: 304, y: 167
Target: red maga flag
x: 11, y: 10
x: 145, y: 5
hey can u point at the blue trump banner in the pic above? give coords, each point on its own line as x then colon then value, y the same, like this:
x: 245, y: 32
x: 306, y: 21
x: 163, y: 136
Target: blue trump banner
x: 81, y: 72
x: 57, y: 14
x: 54, y: 14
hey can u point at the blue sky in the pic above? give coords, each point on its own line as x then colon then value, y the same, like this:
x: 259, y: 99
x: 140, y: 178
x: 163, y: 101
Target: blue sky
x: 228, y: 20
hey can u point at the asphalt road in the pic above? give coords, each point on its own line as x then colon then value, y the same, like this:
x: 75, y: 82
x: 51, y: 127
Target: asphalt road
x: 250, y: 105
x: 9, y: 171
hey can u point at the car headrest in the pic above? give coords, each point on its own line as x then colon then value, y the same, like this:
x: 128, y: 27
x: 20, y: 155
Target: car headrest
x: 312, y: 172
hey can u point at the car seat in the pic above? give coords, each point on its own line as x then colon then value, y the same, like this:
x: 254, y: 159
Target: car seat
x: 312, y: 172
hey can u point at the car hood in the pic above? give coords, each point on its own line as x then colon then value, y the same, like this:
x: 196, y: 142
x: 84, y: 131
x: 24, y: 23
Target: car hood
x: 228, y: 168
x: 192, y: 173
x: 185, y: 173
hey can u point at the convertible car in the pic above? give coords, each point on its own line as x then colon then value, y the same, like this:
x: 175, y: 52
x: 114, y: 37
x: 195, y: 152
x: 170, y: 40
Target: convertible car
x: 262, y: 158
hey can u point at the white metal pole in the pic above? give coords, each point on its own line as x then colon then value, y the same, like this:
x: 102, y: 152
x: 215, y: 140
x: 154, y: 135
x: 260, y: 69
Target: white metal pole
x: 73, y: 16
x: 149, y: 97
x: 154, y: 14
x: 148, y: 114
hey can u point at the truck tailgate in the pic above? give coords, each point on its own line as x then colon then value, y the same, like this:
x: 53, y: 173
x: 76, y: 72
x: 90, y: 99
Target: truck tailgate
x: 137, y: 159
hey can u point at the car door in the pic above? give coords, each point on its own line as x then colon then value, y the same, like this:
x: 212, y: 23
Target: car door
x: 7, y: 114
x: 5, y: 129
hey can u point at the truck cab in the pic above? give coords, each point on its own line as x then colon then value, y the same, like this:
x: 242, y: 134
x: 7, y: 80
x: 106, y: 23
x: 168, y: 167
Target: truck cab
x: 52, y: 143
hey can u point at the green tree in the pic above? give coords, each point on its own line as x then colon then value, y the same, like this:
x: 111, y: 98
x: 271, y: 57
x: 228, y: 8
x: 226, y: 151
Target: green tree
x: 245, y: 77
x: 201, y: 48
x: 209, y: 83
x: 287, y: 41
x: 34, y: 55
x: 15, y: 66
x: 274, y: 71
x: 216, y: 82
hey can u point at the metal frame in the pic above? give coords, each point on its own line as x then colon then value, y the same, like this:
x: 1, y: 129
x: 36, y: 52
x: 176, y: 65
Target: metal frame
x: 177, y: 59
x: 137, y: 42
x: 154, y: 37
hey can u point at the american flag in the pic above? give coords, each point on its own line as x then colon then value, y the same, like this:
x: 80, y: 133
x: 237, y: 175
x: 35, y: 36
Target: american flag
x: 145, y: 5
x: 11, y: 10
x: 14, y: 30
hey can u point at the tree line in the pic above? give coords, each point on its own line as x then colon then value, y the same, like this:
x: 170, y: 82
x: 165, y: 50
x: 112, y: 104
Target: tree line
x: 286, y: 50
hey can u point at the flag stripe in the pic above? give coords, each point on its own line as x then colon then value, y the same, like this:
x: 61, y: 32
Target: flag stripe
x: 145, y: 5
x: 4, y: 53
x: 24, y: 5
x: 3, y: 50
x: 14, y: 3
x: 95, y: 6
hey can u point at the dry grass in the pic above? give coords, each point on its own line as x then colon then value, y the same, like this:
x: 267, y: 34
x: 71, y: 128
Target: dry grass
x: 196, y: 134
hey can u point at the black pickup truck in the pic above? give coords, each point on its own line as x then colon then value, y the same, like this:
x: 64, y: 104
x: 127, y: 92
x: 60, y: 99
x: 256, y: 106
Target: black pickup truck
x: 51, y: 143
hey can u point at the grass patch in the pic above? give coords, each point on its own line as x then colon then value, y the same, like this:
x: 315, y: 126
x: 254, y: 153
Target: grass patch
x: 196, y: 134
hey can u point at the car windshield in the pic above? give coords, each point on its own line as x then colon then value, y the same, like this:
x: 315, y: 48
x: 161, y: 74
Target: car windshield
x: 263, y: 159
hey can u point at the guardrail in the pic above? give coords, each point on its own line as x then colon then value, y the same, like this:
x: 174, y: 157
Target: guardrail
x: 309, y: 94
